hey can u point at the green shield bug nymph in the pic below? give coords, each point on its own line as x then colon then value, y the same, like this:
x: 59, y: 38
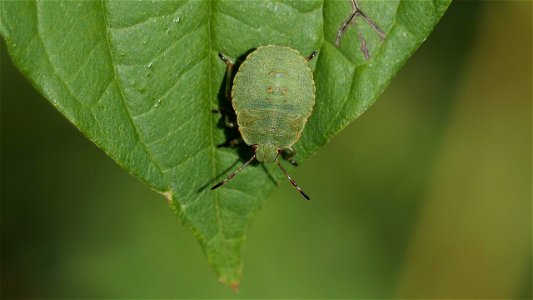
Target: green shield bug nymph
x: 273, y: 95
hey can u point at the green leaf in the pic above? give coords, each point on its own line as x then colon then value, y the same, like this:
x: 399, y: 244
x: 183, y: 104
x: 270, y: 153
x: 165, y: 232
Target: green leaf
x: 140, y: 79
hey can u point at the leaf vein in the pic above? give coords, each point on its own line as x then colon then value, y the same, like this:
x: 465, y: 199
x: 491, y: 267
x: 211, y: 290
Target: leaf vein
x: 84, y: 63
x: 165, y: 94
x: 183, y: 125
x: 121, y: 92
x: 165, y: 50
x: 149, y: 18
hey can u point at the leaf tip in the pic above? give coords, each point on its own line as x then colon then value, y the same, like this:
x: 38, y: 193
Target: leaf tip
x: 234, y: 285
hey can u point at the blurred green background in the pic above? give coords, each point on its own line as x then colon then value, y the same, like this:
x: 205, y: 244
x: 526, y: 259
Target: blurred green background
x: 428, y: 194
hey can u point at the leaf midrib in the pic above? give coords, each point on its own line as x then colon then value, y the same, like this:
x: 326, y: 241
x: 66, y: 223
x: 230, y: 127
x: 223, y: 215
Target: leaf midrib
x: 220, y: 223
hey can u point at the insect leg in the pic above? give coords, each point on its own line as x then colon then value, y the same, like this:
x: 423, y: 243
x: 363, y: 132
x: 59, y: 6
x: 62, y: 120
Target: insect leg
x: 229, y: 74
x: 234, y: 173
x: 228, y: 116
x: 357, y: 11
x: 311, y: 56
x: 230, y: 143
x: 291, y: 180
x: 226, y: 60
x: 288, y: 154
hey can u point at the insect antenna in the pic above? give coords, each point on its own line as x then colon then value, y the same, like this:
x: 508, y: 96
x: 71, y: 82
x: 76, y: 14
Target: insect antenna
x: 234, y: 173
x: 291, y: 180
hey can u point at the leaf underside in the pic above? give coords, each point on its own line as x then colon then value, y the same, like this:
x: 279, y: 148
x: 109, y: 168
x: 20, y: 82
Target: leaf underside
x: 140, y: 80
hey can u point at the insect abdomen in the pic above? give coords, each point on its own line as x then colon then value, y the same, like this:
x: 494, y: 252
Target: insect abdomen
x: 270, y: 127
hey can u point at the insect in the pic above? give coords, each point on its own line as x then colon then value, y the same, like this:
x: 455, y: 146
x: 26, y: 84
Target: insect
x: 273, y: 95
